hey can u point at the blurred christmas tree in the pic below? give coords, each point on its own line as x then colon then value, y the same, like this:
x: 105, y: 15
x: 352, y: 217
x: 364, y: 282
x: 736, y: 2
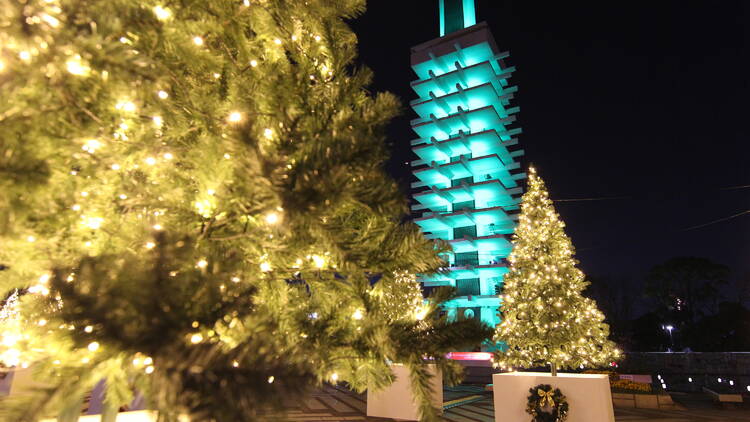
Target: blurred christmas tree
x: 193, y: 205
x: 546, y: 319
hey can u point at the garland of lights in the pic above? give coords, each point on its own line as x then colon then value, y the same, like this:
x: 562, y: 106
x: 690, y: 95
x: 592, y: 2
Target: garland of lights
x: 547, y: 405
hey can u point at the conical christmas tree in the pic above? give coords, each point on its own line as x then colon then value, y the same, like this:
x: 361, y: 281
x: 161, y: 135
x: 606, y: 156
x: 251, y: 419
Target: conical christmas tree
x: 193, y: 206
x: 545, y: 318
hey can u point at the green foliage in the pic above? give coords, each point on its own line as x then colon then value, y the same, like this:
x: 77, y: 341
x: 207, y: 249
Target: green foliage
x: 192, y: 199
x: 546, y: 319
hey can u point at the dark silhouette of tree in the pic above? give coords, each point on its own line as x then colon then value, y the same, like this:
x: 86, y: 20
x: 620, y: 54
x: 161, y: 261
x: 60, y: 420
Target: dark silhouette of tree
x: 686, y: 288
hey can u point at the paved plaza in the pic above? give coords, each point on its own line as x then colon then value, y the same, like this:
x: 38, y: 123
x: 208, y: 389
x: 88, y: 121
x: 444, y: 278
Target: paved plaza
x: 472, y: 404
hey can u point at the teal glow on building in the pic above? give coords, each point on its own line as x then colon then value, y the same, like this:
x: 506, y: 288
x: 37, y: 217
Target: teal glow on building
x: 468, y: 173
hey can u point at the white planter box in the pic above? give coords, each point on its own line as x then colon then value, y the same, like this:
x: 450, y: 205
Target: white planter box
x: 588, y: 395
x: 397, y: 400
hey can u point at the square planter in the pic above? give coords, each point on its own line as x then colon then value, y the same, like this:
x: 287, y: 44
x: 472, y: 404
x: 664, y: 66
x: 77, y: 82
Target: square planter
x: 588, y: 395
x: 397, y: 400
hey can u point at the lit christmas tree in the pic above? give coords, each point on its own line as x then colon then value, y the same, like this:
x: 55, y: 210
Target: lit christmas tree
x: 545, y: 318
x: 193, y: 204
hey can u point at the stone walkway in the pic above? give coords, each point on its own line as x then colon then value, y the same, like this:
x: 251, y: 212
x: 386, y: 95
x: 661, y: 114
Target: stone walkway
x: 337, y: 404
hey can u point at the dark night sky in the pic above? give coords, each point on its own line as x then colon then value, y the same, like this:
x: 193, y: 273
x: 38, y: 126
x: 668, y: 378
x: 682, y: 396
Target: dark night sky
x: 645, y: 101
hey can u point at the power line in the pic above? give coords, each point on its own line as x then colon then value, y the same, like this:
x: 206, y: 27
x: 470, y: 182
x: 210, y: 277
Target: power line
x: 717, y: 221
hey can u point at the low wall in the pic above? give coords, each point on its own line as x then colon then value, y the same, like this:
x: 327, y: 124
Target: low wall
x: 728, y: 364
x: 692, y: 371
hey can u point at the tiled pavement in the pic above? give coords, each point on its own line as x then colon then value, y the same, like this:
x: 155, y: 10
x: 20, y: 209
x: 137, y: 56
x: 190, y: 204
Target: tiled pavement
x: 337, y: 404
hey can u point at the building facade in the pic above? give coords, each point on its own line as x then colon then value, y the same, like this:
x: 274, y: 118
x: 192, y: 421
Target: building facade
x: 468, y: 175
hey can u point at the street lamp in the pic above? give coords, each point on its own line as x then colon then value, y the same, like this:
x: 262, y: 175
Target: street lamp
x: 669, y: 329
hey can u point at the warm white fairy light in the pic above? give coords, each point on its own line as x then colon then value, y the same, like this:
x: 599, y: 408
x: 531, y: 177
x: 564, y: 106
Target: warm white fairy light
x: 162, y: 13
x: 94, y: 223
x: 196, y: 338
x: 163, y: 94
x: 157, y: 227
x: 271, y: 379
x: 150, y: 245
x: 24, y: 55
x: 168, y: 156
x: 253, y: 63
x: 91, y: 145
x: 234, y: 117
x: 89, y: 329
x: 149, y: 369
x: 265, y: 267
x: 318, y: 38
x: 202, y: 263
x: 115, y: 167
x: 357, y: 314
x: 150, y: 161
x: 319, y: 261
x: 198, y: 41
x: 277, y: 41
x: 75, y: 66
x: 93, y: 346
x: 272, y: 218
x: 31, y: 239
x: 158, y: 121
x: 334, y: 377
x: 125, y: 105
x: 268, y: 133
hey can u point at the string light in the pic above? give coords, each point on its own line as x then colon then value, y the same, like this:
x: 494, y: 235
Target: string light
x: 357, y: 315
x: 277, y: 41
x: 149, y: 369
x: 158, y: 121
x: 265, y: 267
x: 150, y: 245
x: 93, y: 346
x: 202, y: 263
x: 319, y: 261
x: 253, y: 63
x: 168, y: 156
x: 127, y: 106
x: 235, y: 117
x: 162, y: 13
x: 272, y: 218
x: 91, y: 146
x: 88, y: 329
x: 115, y: 167
x: 150, y: 161
x: 163, y: 95
x: 196, y: 338
x: 268, y: 133
x: 76, y: 67
x: 198, y: 41
x: 24, y: 55
x: 271, y: 379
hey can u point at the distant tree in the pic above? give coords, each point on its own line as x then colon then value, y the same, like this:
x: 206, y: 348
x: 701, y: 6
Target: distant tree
x: 687, y: 288
x: 616, y: 296
x: 726, y: 331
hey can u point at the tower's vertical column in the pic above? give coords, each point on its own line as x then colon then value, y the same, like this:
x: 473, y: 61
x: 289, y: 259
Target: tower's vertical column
x: 468, y: 171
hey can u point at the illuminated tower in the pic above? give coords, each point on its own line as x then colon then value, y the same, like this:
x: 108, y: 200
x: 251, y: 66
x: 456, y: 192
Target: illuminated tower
x: 468, y: 170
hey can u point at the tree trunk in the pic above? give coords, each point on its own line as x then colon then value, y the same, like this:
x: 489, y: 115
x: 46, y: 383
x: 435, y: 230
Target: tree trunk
x: 553, y: 367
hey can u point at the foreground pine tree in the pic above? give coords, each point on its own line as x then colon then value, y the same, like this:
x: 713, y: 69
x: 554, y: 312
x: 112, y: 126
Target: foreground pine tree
x: 545, y: 318
x: 193, y: 206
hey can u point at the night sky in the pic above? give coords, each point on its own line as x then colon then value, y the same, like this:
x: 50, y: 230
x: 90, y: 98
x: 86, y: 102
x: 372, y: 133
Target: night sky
x: 644, y: 103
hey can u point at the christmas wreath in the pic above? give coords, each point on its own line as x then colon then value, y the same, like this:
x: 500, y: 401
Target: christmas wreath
x: 547, y: 405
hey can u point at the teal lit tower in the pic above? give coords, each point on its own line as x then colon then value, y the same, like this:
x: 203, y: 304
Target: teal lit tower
x: 468, y: 173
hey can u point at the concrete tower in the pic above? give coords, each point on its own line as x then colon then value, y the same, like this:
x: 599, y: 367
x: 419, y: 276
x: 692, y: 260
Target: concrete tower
x: 468, y: 170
